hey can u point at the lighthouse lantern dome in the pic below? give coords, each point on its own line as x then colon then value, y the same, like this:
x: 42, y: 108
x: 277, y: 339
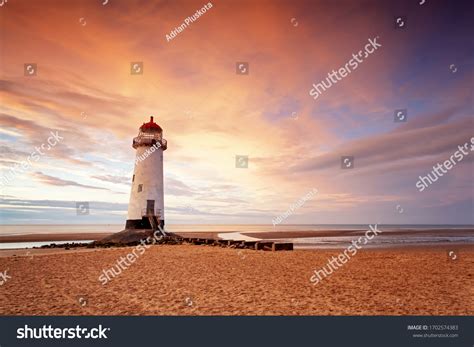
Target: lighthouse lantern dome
x: 150, y: 134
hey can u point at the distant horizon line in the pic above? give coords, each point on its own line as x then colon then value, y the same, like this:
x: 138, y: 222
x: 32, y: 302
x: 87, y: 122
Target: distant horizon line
x: 470, y: 225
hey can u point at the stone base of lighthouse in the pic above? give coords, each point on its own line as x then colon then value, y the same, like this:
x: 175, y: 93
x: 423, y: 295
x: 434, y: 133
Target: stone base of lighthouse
x: 144, y: 223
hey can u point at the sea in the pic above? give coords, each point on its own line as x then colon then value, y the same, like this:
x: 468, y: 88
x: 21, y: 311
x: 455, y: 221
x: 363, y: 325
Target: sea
x: 454, y: 234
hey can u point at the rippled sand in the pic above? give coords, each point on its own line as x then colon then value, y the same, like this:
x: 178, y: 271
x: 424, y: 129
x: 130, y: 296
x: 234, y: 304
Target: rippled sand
x: 205, y: 280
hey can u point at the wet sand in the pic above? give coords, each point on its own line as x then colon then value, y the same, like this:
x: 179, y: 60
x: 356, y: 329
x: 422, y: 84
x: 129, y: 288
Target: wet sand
x: 339, y: 233
x: 274, y: 235
x: 206, y: 280
x: 52, y: 237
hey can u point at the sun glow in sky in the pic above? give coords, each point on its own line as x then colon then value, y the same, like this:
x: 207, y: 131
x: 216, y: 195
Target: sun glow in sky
x: 83, y: 89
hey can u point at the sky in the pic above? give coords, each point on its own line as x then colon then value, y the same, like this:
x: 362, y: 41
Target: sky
x: 82, y: 90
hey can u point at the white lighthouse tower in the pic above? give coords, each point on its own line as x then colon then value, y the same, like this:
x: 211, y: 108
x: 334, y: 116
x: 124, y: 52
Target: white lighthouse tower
x: 146, y: 206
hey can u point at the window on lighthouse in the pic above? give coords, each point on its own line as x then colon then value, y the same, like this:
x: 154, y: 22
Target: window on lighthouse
x: 133, y: 178
x: 140, y: 187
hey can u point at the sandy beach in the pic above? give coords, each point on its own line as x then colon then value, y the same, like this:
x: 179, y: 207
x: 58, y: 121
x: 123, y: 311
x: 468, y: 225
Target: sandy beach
x: 207, y: 280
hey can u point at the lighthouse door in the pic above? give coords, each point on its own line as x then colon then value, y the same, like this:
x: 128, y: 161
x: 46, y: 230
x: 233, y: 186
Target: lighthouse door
x: 150, y: 207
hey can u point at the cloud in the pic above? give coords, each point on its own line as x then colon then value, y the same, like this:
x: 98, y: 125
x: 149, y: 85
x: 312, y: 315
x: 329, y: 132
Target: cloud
x: 210, y: 114
x: 12, y: 201
x: 54, y: 181
x: 113, y: 179
x: 396, y: 146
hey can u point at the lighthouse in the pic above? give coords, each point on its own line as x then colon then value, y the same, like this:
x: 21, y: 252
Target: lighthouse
x: 146, y: 206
